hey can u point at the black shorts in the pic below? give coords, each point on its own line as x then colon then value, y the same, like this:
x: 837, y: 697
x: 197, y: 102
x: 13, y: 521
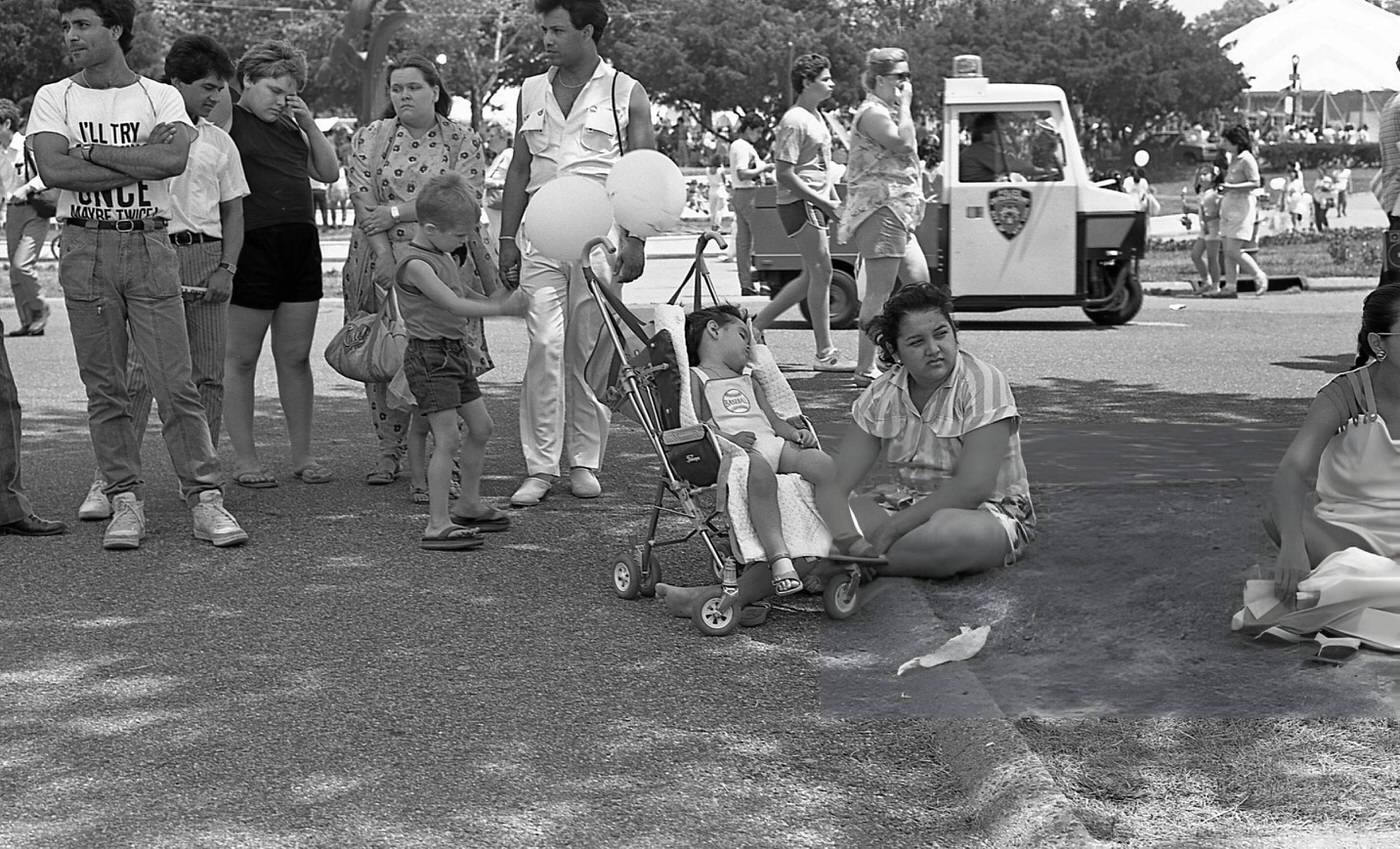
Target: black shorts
x: 439, y: 373
x: 278, y: 265
x: 794, y: 216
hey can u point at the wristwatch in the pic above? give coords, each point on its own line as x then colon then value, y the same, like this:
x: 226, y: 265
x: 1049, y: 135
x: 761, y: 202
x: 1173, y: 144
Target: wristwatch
x: 229, y: 267
x: 394, y: 212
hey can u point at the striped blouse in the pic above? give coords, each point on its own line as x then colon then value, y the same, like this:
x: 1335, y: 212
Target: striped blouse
x: 924, y: 446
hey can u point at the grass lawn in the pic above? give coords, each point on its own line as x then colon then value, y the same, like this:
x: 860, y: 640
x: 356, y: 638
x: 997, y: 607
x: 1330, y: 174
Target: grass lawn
x: 1343, y: 253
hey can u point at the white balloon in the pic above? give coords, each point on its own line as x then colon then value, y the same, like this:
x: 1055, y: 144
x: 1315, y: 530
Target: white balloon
x: 564, y: 215
x: 1141, y: 158
x: 647, y: 192
x: 1277, y: 184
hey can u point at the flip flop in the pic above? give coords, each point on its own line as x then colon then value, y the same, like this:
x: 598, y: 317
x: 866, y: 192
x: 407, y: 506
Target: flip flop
x: 787, y: 585
x: 314, y: 473
x: 258, y: 479
x: 454, y: 538
x: 494, y: 522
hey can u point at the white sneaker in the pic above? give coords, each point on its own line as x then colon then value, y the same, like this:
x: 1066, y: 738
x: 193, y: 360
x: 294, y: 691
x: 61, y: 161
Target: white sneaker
x: 212, y: 523
x: 833, y: 360
x: 128, y: 525
x: 95, y: 505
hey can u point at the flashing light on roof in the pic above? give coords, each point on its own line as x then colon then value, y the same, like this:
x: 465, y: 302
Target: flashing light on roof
x: 967, y: 65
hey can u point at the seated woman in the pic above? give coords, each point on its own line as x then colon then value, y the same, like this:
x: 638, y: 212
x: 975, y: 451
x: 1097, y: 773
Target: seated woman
x: 947, y: 422
x: 1345, y: 441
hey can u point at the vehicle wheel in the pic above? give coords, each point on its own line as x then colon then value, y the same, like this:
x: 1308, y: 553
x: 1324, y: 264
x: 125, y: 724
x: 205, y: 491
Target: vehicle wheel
x: 1128, y: 300
x: 627, y: 574
x: 652, y: 574
x: 845, y: 301
x: 840, y: 596
x: 712, y: 621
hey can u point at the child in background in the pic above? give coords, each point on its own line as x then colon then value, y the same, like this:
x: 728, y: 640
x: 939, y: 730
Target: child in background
x: 434, y: 299
x: 726, y: 397
x: 1205, y: 253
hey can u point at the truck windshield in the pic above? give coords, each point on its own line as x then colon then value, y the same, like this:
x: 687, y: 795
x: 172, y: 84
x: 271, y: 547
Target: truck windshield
x: 1010, y: 146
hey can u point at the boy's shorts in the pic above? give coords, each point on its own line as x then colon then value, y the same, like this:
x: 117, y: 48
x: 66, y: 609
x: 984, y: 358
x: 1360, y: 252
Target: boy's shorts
x: 439, y: 373
x: 798, y: 214
x: 278, y: 265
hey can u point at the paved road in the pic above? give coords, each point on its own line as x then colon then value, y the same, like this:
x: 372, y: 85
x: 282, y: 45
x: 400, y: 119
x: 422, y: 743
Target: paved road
x: 331, y: 685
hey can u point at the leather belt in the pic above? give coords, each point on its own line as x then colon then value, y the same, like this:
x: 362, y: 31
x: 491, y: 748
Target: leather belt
x: 121, y: 226
x: 192, y: 238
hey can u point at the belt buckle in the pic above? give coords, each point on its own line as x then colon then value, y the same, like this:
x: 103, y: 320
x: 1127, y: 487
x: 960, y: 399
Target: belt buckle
x: 182, y: 239
x: 126, y: 226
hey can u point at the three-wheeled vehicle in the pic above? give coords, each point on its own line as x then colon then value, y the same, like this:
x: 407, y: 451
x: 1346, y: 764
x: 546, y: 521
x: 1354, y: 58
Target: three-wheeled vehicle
x: 1015, y: 220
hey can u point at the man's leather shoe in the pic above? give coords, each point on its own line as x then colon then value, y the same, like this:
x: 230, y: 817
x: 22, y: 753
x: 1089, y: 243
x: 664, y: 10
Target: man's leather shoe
x: 33, y: 526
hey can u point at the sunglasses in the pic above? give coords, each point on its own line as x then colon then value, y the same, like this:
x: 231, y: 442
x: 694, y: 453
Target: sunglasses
x: 902, y: 76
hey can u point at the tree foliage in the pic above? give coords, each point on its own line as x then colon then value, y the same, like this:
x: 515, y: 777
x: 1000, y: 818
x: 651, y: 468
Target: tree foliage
x: 1231, y: 15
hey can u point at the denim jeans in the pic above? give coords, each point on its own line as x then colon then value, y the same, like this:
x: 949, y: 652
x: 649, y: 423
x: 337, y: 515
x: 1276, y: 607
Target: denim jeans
x: 25, y: 233
x: 115, y: 283
x: 13, y: 504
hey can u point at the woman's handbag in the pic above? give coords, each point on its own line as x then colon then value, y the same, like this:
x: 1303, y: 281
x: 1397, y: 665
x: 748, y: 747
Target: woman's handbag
x: 369, y: 347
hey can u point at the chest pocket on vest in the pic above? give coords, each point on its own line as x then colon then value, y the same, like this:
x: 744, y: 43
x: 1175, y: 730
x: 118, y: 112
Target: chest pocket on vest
x: 532, y: 129
x: 600, y: 130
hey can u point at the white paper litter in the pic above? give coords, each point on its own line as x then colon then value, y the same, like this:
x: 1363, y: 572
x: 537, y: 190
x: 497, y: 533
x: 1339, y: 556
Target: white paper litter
x: 965, y: 645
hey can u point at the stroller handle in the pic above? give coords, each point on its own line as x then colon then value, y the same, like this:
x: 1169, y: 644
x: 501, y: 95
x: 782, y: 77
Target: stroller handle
x: 600, y: 242
x: 708, y: 236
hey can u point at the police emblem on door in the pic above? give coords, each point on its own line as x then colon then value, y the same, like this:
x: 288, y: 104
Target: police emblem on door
x: 1009, y: 209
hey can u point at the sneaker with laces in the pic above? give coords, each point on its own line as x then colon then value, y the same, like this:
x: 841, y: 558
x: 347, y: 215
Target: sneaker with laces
x: 833, y: 360
x: 128, y: 525
x: 95, y: 505
x: 212, y: 523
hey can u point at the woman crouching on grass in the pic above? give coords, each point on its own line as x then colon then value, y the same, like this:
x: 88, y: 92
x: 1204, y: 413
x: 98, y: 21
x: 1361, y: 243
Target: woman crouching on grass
x: 948, y: 424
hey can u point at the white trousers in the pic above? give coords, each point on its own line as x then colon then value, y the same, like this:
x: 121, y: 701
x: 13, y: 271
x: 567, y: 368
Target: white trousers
x: 561, y: 419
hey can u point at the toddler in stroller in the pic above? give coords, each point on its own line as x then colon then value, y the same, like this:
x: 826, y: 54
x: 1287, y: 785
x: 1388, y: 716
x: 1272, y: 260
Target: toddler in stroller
x: 726, y: 397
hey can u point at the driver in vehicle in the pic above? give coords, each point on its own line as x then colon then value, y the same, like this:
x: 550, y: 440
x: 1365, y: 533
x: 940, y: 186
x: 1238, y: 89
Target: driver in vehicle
x: 986, y: 160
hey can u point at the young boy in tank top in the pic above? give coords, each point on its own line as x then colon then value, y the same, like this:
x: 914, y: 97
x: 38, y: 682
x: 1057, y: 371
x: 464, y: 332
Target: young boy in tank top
x: 434, y: 300
x: 727, y: 398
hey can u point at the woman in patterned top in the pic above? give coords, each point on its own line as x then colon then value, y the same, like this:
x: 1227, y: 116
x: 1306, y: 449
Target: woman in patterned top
x: 389, y: 161
x: 948, y: 424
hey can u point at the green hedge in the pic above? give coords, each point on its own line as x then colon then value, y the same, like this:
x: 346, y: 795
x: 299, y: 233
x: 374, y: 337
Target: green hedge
x: 1279, y: 156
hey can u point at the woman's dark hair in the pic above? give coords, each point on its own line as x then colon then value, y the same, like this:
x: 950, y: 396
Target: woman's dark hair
x: 1379, y: 312
x: 114, y: 13
x: 883, y: 329
x: 1239, y: 136
x: 582, y: 13
x: 194, y: 57
x: 752, y: 121
x: 696, y: 322
x: 806, y: 68
x: 426, y: 67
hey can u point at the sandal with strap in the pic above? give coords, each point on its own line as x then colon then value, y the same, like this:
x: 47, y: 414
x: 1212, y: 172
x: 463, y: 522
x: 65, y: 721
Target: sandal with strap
x: 384, y: 472
x: 786, y: 581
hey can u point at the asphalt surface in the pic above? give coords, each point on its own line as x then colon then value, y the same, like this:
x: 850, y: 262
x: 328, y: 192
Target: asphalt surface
x: 332, y: 685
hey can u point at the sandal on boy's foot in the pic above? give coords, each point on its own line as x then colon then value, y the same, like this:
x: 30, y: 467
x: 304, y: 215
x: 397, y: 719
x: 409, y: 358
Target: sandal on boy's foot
x: 493, y: 521
x: 452, y: 538
x: 256, y: 479
x: 418, y: 494
x: 384, y: 472
x: 314, y: 473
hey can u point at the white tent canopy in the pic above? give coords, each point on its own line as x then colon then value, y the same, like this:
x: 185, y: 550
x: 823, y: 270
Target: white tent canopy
x: 1341, y: 45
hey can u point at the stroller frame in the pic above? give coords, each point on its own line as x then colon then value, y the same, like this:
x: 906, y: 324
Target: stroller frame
x: 636, y: 571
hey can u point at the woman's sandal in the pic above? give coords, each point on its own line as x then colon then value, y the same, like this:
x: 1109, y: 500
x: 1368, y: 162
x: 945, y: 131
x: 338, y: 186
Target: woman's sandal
x: 384, y: 472
x: 418, y: 494
x: 314, y: 473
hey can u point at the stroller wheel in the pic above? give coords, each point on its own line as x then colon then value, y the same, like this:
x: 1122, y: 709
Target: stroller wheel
x: 627, y: 574
x: 841, y: 596
x: 714, y: 619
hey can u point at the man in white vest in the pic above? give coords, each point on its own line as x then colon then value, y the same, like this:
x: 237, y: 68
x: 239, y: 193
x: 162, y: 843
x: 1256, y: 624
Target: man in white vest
x: 576, y: 119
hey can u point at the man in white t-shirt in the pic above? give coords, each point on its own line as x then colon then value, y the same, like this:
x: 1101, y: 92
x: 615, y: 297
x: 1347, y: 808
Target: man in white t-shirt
x: 745, y: 171
x: 111, y: 139
x: 206, y: 229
